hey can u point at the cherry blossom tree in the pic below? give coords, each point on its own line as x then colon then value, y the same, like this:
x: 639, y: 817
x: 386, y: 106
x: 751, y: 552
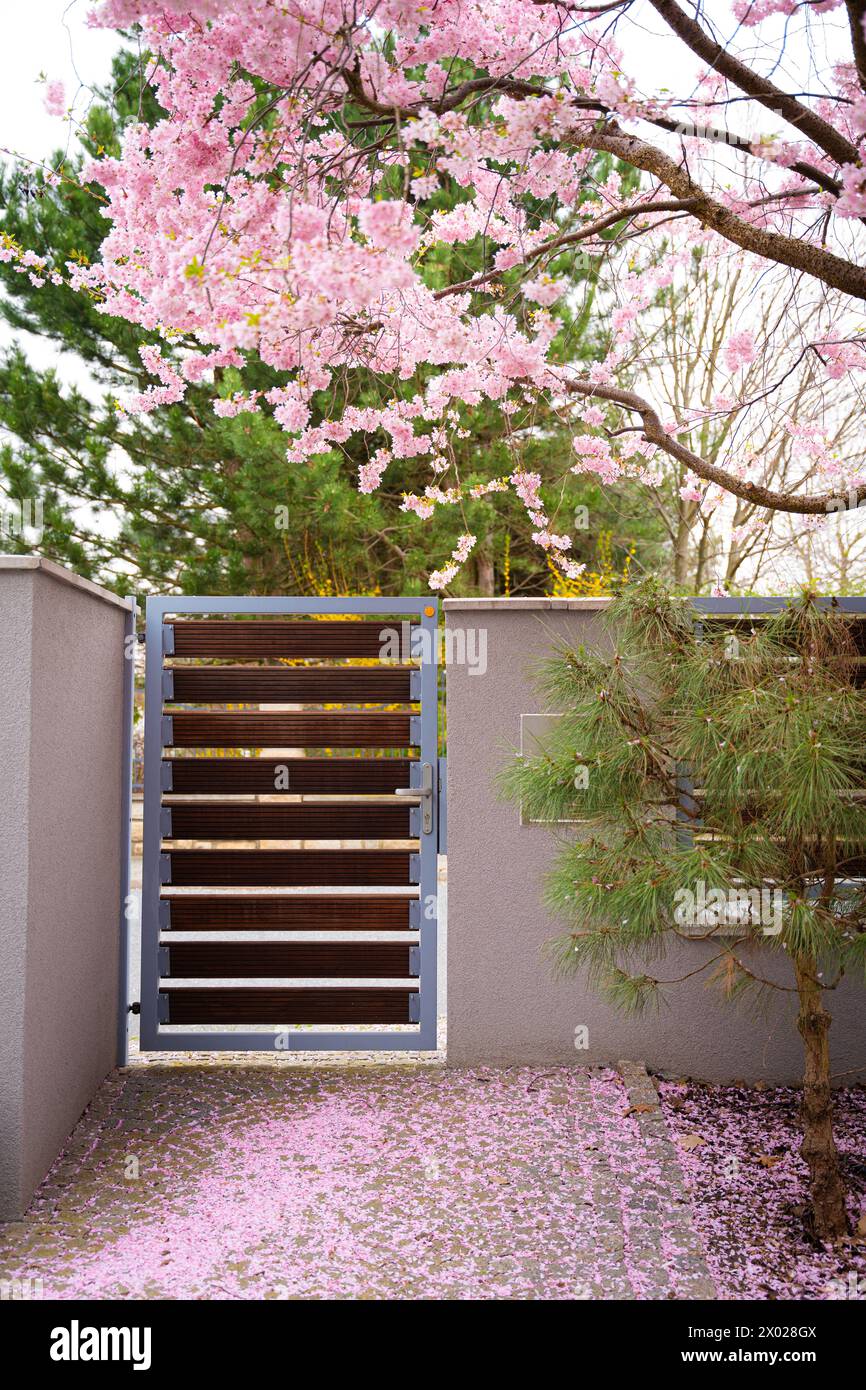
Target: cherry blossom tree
x: 286, y: 206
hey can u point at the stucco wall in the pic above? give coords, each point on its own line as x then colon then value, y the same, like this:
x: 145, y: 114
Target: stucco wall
x: 61, y: 701
x: 16, y: 611
x: 504, y: 1006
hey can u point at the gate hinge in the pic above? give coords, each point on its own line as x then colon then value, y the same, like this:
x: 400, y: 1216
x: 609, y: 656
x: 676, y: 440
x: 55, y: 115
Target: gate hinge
x: 134, y: 1007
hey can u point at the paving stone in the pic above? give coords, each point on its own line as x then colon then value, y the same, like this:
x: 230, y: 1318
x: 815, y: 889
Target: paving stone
x: 360, y: 1181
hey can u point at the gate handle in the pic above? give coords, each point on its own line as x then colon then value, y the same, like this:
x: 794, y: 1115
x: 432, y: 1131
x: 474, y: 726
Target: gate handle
x: 425, y: 793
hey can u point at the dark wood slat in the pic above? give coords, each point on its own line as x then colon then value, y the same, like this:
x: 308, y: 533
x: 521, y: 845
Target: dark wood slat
x: 277, y: 868
x: 305, y: 776
x: 855, y: 862
x: 301, y: 684
x: 289, y: 960
x: 287, y: 637
x: 295, y: 822
x: 719, y: 625
x: 192, y: 729
x: 290, y: 914
x: 289, y: 1006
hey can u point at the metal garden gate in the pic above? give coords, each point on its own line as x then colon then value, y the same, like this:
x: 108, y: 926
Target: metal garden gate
x: 291, y: 939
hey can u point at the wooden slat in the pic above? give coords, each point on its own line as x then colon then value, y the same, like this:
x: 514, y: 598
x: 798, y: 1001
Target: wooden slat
x: 277, y: 868
x: 743, y: 625
x: 859, y: 634
x: 855, y: 862
x: 294, y: 684
x: 192, y: 729
x: 289, y: 914
x: 275, y: 637
x: 305, y: 776
x: 288, y: 960
x: 294, y: 822
x: 289, y: 1006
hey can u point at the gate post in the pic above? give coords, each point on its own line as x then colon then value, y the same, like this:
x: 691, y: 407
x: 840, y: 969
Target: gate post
x: 128, y: 718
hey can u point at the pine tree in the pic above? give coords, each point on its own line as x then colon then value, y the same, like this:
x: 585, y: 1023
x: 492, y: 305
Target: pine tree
x: 717, y: 770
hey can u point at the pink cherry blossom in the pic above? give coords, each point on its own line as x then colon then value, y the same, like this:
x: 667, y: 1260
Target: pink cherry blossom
x: 370, y: 473
x: 55, y: 98
x: 740, y: 350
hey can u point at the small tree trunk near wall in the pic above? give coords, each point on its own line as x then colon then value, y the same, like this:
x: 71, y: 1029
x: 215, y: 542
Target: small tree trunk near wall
x: 819, y: 1147
x: 484, y: 572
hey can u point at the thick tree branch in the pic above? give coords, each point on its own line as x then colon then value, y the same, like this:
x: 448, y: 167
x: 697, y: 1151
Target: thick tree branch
x: 819, y: 131
x: 856, y: 19
x: 773, y: 246
x: 654, y: 433
x: 738, y: 142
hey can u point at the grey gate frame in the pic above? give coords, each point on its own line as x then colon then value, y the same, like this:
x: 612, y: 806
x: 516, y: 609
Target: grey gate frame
x: 155, y: 1037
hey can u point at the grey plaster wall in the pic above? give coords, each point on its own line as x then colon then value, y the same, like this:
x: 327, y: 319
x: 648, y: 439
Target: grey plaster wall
x: 61, y: 702
x: 504, y: 1006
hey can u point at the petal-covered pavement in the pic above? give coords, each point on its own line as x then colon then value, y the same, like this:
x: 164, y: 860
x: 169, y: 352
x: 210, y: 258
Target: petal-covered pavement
x: 252, y: 1181
x: 241, y: 1178
x: 740, y: 1150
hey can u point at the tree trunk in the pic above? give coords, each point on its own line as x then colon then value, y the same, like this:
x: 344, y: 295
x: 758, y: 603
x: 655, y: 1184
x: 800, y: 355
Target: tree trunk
x: 484, y: 572
x: 819, y: 1147
x: 682, y: 542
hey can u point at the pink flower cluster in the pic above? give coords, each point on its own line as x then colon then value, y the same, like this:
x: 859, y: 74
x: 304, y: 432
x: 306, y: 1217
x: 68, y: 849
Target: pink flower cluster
x: 55, y: 98
x: 440, y: 578
x: 740, y: 351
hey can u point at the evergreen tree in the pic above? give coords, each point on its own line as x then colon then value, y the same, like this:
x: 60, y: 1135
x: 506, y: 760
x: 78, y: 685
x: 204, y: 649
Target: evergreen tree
x: 718, y: 773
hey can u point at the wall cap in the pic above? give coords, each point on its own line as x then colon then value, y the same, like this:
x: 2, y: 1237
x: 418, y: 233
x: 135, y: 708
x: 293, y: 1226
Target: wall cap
x: 503, y: 605
x: 55, y: 571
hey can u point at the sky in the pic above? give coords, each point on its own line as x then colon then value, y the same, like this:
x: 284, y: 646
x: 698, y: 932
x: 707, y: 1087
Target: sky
x: 50, y: 37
